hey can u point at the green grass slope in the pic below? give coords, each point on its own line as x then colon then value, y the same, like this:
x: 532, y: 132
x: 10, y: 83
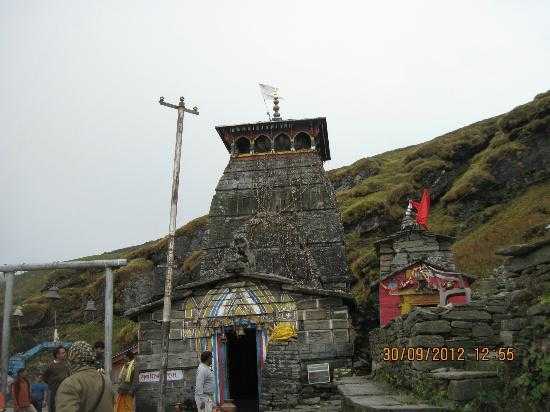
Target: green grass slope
x: 77, y: 286
x: 490, y: 185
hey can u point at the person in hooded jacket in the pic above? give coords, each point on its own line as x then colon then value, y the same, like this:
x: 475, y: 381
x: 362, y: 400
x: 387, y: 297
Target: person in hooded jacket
x: 86, y: 389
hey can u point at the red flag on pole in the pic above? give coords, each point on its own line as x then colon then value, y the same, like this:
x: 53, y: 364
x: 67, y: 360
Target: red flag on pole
x: 422, y: 209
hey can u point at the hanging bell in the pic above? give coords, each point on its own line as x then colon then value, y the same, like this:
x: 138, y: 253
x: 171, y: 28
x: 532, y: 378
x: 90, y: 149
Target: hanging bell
x: 53, y: 293
x: 90, y: 306
x: 240, y: 331
x: 18, y: 312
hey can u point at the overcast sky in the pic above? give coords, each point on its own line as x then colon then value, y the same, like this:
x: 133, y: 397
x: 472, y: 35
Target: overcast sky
x: 86, y: 150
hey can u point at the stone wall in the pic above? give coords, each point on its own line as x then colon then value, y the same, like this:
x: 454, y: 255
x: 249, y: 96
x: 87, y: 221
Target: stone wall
x: 407, y: 247
x: 285, y: 206
x: 281, y: 376
x: 285, y: 376
x: 324, y: 335
x: 525, y: 281
x: 503, y: 319
x: 182, y: 357
x: 469, y: 326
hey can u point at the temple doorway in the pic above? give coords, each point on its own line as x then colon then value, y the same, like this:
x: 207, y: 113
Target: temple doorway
x: 242, y: 369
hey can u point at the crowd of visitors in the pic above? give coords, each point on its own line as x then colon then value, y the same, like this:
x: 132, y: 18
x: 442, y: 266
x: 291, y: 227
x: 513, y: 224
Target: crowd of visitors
x: 74, y: 381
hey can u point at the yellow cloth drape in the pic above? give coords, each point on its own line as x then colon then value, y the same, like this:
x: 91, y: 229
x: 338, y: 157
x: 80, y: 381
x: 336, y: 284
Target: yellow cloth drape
x: 127, y: 372
x: 282, y: 332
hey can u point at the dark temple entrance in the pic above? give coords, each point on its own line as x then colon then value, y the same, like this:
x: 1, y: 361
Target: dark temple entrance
x: 242, y: 372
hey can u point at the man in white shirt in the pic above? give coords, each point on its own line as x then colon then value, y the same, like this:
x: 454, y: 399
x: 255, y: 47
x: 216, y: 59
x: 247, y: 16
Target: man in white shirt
x: 204, y: 385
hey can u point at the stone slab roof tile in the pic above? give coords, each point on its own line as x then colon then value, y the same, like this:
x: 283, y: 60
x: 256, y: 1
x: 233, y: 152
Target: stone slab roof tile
x: 406, y: 232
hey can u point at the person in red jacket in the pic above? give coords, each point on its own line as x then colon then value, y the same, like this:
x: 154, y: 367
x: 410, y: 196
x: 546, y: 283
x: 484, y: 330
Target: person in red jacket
x: 21, y: 392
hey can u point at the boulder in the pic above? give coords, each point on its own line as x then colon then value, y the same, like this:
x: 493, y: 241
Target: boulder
x: 522, y: 250
x: 533, y: 258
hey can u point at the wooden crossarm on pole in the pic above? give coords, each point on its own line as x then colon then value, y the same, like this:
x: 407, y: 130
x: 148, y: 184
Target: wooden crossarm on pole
x: 167, y: 301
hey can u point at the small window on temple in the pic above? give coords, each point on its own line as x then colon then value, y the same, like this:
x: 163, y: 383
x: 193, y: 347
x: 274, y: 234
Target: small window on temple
x: 243, y: 145
x: 282, y: 143
x: 262, y: 145
x: 302, y: 141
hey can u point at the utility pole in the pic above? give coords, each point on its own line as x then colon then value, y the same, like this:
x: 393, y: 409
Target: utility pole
x: 167, y: 309
x: 6, y: 329
x: 108, y: 355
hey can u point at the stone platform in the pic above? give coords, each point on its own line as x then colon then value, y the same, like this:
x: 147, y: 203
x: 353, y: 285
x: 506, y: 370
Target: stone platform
x: 314, y: 405
x: 464, y: 385
x: 363, y: 394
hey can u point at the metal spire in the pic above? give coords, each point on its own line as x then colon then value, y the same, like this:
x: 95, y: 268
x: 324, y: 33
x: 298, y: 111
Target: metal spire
x: 409, y: 221
x: 276, y: 114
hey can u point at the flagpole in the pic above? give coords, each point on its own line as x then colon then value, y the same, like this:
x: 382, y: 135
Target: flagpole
x: 267, y: 110
x: 271, y: 93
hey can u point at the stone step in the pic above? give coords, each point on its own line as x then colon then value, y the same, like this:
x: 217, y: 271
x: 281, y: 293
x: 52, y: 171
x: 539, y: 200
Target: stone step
x: 464, y: 385
x: 386, y: 403
x: 322, y: 406
x: 351, y: 379
x: 463, y: 374
x: 363, y: 394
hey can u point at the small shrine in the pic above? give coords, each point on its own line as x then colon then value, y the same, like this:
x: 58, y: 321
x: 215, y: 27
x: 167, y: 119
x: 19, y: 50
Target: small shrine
x: 417, y: 267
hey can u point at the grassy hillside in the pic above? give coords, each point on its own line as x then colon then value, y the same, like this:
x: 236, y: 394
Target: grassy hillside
x: 77, y: 286
x: 490, y: 185
x: 489, y: 182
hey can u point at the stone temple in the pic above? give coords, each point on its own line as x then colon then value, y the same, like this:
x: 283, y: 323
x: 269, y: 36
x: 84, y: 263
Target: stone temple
x: 272, y: 299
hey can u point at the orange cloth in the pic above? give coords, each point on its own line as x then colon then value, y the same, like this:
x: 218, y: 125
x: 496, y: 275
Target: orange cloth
x: 21, y: 392
x: 124, y: 403
x: 2, y: 402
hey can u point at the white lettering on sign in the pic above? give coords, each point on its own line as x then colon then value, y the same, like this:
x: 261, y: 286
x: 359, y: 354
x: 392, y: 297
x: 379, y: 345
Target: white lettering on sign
x: 154, y: 376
